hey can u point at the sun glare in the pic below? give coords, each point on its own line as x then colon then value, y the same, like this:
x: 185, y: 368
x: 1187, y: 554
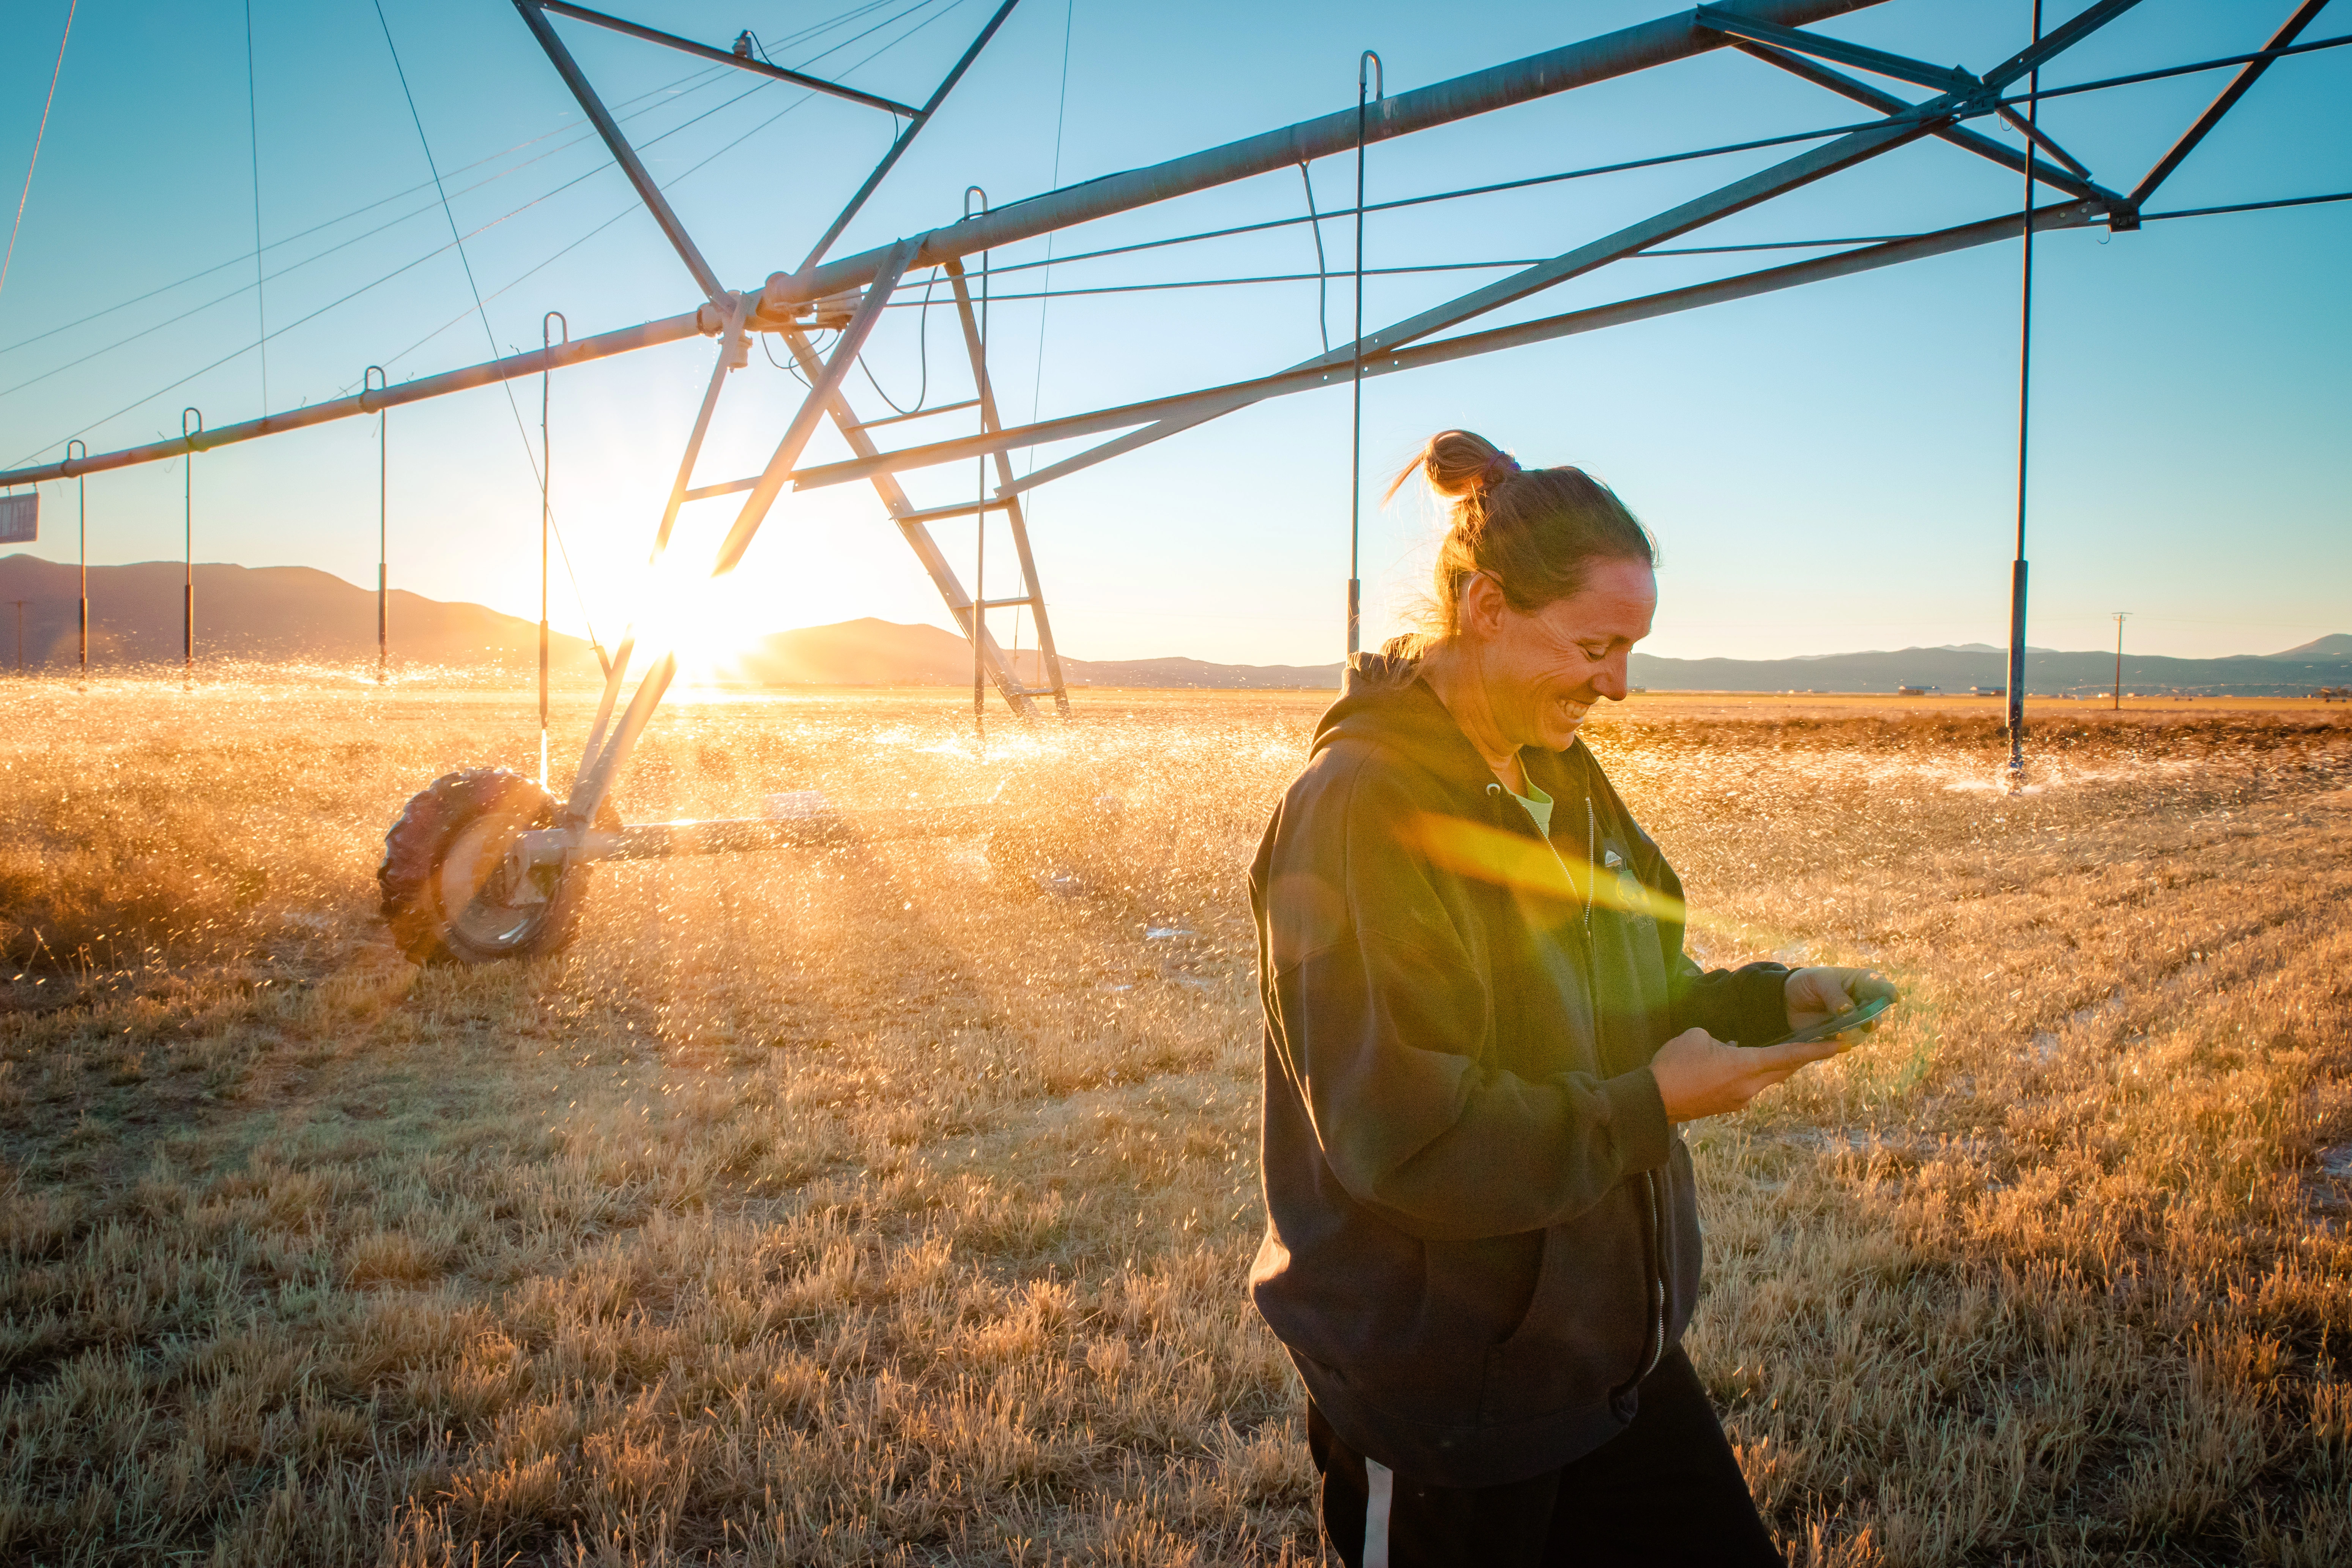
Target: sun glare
x: 709, y: 623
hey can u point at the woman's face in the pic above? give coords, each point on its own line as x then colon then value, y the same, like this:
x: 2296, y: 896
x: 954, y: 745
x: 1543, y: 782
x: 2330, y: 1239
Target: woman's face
x: 1543, y: 671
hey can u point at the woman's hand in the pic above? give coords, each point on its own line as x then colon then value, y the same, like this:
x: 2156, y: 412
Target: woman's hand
x: 1814, y: 994
x: 1699, y: 1075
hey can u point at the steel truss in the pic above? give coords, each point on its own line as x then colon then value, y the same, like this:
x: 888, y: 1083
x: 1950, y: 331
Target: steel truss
x: 851, y: 293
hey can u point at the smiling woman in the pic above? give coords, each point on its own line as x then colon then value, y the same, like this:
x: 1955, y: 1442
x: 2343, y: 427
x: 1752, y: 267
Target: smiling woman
x: 1553, y: 574
x: 1482, y: 1244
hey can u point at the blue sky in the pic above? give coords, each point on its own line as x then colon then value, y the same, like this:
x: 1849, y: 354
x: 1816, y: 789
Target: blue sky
x: 1827, y: 469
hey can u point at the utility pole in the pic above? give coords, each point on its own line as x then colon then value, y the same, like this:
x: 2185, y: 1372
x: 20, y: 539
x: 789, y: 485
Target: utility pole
x: 2119, y: 659
x: 383, y: 638
x: 546, y: 477
x: 188, y: 522
x: 2024, y: 388
x: 1369, y: 71
x: 81, y: 509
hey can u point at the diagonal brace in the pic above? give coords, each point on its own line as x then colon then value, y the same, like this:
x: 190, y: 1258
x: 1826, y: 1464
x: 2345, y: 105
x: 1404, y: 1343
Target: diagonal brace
x: 2035, y: 56
x: 2245, y: 79
x: 921, y: 117
x: 1737, y: 196
x: 1983, y: 146
x: 734, y: 351
x: 741, y: 62
x: 618, y: 145
x: 917, y: 535
x: 822, y: 388
x: 1444, y: 351
x: 1943, y: 78
x: 1049, y: 657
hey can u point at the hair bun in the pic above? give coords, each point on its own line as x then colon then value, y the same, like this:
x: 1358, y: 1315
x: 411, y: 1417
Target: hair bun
x: 1459, y: 463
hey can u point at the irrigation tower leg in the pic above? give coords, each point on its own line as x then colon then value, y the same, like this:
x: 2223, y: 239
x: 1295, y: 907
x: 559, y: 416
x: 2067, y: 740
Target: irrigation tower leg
x: 1049, y: 659
x: 914, y: 526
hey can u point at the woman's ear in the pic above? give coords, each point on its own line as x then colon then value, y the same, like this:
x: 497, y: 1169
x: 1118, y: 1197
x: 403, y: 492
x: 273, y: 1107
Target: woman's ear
x: 1479, y: 606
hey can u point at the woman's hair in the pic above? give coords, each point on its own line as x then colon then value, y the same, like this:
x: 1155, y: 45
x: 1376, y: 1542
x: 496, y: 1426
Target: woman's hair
x: 1534, y: 530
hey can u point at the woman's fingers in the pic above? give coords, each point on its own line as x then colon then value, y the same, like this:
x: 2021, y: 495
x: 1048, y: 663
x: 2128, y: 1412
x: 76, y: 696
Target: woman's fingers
x: 1788, y: 1058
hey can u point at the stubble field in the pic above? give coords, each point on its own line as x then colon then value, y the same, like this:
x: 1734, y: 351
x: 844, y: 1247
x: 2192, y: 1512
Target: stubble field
x: 866, y: 1207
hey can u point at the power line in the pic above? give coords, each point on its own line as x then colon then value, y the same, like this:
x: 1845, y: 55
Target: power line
x: 464, y: 261
x: 2165, y: 71
x: 38, y: 136
x: 385, y: 277
x: 1451, y: 267
x: 692, y: 169
x: 665, y: 94
x: 116, y: 306
x: 1061, y: 118
x: 493, y: 223
x: 1336, y: 212
x: 2249, y: 206
x: 253, y: 145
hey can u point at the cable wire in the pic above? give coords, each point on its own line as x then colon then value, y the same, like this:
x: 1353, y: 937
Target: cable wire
x: 2249, y: 206
x: 922, y: 355
x: 479, y: 308
x: 1322, y: 268
x: 665, y: 95
x: 253, y: 146
x: 117, y: 305
x: 38, y: 136
x: 416, y: 261
x: 634, y: 206
x: 1713, y: 152
x: 1450, y: 267
x: 1061, y: 118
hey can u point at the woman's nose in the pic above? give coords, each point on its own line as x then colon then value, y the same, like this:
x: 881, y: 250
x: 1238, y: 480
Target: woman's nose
x: 1609, y: 680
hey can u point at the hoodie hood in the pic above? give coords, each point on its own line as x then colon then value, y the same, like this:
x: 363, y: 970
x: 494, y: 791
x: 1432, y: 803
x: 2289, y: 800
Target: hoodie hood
x: 1384, y: 700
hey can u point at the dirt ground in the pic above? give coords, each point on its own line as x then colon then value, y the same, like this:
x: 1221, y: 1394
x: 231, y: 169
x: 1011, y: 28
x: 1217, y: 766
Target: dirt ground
x: 876, y: 1205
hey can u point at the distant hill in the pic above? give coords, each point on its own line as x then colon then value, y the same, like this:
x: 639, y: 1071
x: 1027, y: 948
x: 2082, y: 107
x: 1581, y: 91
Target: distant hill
x: 2334, y: 645
x: 871, y: 652
x: 2048, y: 672
x: 297, y: 613
x: 877, y: 652
x: 253, y: 612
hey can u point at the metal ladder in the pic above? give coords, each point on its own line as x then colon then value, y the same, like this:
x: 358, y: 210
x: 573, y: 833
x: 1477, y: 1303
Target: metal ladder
x: 914, y: 523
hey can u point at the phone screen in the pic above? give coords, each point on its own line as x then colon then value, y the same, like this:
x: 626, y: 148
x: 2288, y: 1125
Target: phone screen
x: 1837, y: 1024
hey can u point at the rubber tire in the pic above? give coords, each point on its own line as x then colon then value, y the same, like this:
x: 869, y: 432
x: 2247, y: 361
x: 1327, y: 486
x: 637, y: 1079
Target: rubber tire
x: 418, y: 843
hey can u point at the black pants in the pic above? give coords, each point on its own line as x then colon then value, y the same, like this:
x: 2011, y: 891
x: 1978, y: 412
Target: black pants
x: 1665, y: 1491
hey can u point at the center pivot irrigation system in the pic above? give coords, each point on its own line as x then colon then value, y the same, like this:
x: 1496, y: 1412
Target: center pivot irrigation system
x: 486, y: 864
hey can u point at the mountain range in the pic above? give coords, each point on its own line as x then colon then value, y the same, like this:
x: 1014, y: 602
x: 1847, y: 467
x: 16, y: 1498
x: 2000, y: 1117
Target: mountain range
x: 256, y: 612
x: 284, y: 613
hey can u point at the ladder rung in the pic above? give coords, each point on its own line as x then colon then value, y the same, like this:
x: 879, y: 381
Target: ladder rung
x: 967, y: 508
x: 729, y: 489
x: 1025, y: 599
x: 1033, y: 691
x: 919, y: 414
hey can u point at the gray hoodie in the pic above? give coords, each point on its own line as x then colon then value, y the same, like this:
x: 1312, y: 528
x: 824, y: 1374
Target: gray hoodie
x: 1482, y: 1231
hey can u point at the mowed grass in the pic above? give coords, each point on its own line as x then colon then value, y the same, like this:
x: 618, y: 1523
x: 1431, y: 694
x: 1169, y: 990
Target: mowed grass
x: 874, y: 1207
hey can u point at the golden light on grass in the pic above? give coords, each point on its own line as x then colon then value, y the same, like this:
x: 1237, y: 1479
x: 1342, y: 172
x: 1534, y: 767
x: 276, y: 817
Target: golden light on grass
x: 865, y: 1206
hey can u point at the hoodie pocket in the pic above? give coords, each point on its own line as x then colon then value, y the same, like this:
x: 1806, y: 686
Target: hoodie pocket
x: 1588, y: 1325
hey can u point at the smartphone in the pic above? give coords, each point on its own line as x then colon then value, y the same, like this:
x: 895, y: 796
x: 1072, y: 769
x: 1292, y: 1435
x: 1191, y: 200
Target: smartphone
x: 1837, y: 1024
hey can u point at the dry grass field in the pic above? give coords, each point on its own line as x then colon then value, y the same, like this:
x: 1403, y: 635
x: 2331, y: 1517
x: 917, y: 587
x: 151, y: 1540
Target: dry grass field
x: 856, y: 1207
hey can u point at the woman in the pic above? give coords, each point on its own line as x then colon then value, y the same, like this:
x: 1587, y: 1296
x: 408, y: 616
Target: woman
x: 1481, y: 1031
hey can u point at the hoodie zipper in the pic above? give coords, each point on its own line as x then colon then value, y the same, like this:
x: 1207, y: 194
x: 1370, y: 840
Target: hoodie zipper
x: 1654, y: 1346
x: 1658, y: 1345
